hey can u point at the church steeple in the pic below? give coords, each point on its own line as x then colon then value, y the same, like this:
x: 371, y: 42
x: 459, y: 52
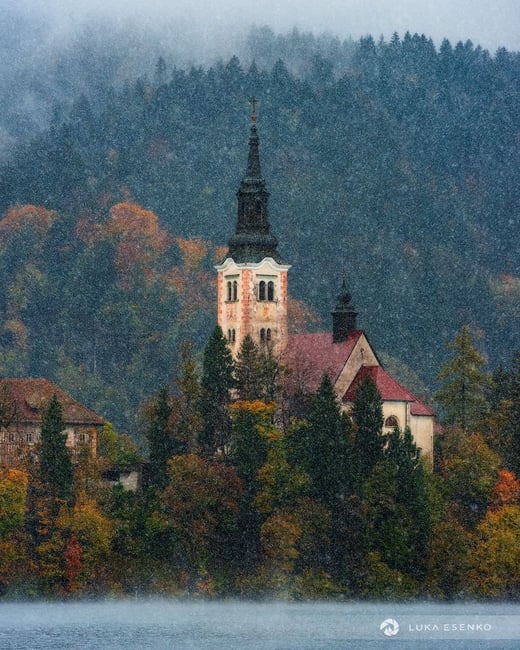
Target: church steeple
x: 253, y: 241
x: 343, y: 316
x: 252, y: 291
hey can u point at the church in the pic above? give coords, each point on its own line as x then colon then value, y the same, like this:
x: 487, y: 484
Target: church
x: 252, y: 295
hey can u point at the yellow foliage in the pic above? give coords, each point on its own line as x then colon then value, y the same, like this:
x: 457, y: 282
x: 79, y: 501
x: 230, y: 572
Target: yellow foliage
x: 279, y: 535
x: 13, y: 495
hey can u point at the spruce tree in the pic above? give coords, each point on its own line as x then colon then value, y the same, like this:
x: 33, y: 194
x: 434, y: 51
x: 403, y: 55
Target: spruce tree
x: 56, y: 470
x: 327, y: 451
x: 367, y: 415
x: 159, y: 438
x: 461, y: 397
x: 247, y: 371
x: 216, y: 384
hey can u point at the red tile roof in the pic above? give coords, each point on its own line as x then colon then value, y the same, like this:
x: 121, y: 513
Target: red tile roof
x: 389, y: 389
x: 313, y: 355
x: 32, y: 395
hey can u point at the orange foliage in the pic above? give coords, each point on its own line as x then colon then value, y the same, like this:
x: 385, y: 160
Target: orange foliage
x: 139, y: 239
x: 35, y: 217
x: 193, y: 252
x: 506, y: 490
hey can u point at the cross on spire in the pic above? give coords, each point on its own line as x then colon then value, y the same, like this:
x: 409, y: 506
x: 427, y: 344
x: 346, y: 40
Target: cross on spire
x: 253, y: 101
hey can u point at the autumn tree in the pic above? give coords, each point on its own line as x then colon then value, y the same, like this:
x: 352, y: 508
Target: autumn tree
x: 216, y: 384
x: 201, y: 504
x: 461, y: 397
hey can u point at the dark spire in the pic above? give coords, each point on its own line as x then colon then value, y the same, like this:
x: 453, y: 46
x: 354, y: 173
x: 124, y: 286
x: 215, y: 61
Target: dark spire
x: 253, y: 240
x: 343, y: 316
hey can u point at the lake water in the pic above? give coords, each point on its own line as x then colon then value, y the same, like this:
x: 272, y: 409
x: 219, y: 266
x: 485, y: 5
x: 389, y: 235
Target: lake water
x: 229, y: 625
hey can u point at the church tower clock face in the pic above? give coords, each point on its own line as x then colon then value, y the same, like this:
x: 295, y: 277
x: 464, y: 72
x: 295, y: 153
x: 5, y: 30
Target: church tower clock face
x: 252, y: 279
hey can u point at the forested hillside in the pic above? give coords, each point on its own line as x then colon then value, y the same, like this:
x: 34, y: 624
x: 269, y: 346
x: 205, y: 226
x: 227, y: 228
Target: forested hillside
x: 396, y: 163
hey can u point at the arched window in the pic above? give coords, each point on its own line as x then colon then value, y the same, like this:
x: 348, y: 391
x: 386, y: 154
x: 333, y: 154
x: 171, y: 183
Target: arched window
x: 261, y: 290
x: 268, y: 334
x: 270, y: 290
x: 391, y: 422
x: 233, y: 336
x: 229, y: 336
x: 262, y: 335
x: 229, y: 292
x: 235, y: 290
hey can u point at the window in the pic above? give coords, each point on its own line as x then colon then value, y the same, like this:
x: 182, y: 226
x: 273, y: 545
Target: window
x: 28, y: 437
x: 11, y: 437
x: 82, y: 437
x: 391, y: 422
x: 261, y: 290
x: 235, y: 290
x: 233, y: 336
x: 229, y: 292
x: 270, y: 290
x: 268, y: 334
x: 262, y: 335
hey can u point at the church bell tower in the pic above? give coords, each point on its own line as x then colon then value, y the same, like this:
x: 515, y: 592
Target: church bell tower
x: 252, y: 279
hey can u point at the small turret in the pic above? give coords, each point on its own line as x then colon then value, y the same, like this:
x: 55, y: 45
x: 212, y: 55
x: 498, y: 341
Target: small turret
x: 343, y: 316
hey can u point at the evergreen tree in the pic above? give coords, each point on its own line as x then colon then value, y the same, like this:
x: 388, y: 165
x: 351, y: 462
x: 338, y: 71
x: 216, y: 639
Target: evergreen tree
x: 186, y: 421
x: 159, y: 438
x: 216, y: 384
x: 461, y: 396
x: 327, y: 458
x: 247, y: 371
x: 55, y: 463
x: 411, y: 481
x: 367, y: 415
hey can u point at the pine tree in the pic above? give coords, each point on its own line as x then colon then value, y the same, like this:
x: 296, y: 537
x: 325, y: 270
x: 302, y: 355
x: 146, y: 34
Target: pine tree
x: 55, y: 463
x: 461, y: 396
x: 327, y: 451
x: 247, y: 371
x: 216, y: 384
x: 186, y: 420
x: 159, y: 438
x: 367, y: 415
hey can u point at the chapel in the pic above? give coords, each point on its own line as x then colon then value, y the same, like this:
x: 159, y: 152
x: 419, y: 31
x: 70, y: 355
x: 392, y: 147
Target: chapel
x: 252, y: 294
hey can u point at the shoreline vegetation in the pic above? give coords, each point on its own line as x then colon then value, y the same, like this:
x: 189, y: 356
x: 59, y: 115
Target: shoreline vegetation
x: 250, y: 490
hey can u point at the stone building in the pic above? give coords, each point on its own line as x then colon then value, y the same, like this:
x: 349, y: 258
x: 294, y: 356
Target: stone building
x: 22, y: 403
x: 252, y: 300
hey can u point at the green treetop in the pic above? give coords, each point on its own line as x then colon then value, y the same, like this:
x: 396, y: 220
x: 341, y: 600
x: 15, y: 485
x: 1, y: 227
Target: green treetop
x: 461, y: 397
x: 55, y: 462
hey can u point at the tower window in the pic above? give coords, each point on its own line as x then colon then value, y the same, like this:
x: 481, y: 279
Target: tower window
x: 262, y: 335
x: 261, y: 290
x: 270, y: 290
x: 268, y: 334
x: 233, y: 336
x: 232, y: 291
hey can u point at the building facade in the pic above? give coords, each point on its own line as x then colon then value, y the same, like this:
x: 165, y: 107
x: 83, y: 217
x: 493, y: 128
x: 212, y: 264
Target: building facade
x: 22, y: 404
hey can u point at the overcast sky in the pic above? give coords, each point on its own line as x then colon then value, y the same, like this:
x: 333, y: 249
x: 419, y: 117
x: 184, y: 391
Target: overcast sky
x: 490, y: 23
